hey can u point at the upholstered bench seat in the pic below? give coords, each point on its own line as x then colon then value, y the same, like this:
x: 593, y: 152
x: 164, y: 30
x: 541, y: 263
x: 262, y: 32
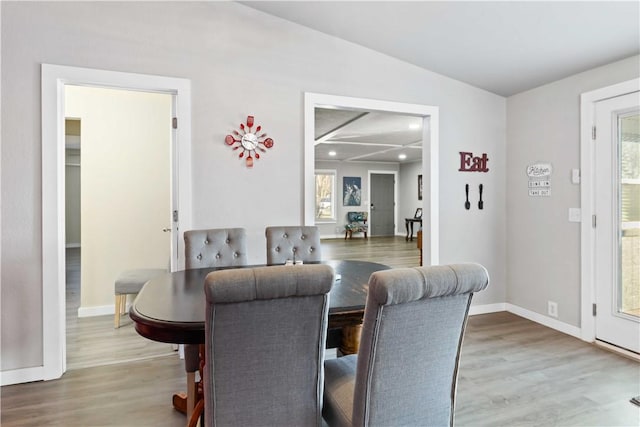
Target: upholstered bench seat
x: 131, y: 282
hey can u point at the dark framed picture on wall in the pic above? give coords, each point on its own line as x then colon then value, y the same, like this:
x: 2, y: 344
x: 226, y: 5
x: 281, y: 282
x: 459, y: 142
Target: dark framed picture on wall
x: 351, y: 190
x: 419, y: 187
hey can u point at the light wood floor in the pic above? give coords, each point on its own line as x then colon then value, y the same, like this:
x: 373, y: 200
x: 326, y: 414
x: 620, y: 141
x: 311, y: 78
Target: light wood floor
x: 92, y: 341
x: 513, y: 372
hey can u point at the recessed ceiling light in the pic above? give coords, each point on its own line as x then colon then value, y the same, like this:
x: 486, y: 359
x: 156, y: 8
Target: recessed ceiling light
x: 332, y: 153
x: 402, y: 156
x: 414, y: 126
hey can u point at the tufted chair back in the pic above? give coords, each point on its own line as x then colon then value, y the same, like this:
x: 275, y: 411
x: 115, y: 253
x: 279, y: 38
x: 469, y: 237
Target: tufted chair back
x: 217, y: 247
x: 297, y: 243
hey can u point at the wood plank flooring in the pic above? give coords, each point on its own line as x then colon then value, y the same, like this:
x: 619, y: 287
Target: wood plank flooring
x: 513, y: 372
x: 92, y: 341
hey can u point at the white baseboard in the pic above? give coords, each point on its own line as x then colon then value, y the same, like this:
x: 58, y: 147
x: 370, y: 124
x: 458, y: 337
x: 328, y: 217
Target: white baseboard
x: 19, y: 376
x: 98, y: 310
x: 549, y: 322
x: 486, y: 308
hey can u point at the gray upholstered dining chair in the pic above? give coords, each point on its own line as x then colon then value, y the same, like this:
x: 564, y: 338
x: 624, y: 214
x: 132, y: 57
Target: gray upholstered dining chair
x: 294, y: 243
x: 265, y: 332
x: 405, y: 372
x: 217, y: 247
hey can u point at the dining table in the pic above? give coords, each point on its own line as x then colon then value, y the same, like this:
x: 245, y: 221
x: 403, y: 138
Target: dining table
x: 171, y: 307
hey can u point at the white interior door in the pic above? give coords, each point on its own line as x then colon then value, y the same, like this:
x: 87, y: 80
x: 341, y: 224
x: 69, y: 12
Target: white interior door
x: 617, y: 208
x: 126, y: 185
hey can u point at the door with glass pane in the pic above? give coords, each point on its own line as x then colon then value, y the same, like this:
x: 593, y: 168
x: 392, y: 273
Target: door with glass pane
x: 617, y: 207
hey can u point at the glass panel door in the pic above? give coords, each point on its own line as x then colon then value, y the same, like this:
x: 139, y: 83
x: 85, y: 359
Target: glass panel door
x: 628, y: 292
x: 616, y: 204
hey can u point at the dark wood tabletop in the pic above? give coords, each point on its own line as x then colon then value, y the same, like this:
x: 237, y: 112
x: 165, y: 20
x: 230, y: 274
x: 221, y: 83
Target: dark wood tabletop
x: 171, y: 308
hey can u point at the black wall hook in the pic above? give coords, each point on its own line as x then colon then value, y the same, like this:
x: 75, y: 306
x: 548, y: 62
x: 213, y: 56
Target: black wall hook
x: 480, y: 202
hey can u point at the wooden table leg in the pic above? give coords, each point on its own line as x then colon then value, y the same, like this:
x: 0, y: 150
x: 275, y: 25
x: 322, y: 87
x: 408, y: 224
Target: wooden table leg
x: 350, y: 339
x: 187, y: 402
x: 406, y: 225
x: 180, y: 402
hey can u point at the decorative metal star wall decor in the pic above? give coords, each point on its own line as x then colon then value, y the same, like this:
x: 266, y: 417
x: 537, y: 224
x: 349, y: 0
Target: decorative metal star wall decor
x: 251, y: 142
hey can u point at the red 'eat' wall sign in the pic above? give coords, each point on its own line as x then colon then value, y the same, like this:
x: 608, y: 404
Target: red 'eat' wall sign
x: 469, y: 163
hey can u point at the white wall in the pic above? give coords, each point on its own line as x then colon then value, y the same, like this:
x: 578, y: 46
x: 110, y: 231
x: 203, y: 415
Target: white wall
x: 240, y: 62
x: 125, y: 191
x: 543, y: 247
x: 72, y: 197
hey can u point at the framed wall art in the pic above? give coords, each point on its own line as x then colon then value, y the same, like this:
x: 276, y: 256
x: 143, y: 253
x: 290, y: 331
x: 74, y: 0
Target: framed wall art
x: 351, y: 190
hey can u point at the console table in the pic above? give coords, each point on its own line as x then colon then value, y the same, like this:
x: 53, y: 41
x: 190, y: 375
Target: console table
x: 408, y: 223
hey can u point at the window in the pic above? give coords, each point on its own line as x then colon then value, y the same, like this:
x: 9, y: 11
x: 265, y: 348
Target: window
x: 325, y: 195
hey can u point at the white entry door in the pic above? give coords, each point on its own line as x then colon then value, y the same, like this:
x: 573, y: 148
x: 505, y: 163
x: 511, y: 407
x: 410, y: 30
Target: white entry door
x: 617, y: 208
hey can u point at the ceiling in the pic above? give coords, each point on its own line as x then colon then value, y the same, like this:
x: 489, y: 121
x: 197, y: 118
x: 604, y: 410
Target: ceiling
x: 363, y: 136
x: 504, y: 47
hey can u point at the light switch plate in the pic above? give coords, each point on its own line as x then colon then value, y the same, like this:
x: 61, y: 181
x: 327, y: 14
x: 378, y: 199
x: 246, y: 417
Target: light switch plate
x: 575, y: 215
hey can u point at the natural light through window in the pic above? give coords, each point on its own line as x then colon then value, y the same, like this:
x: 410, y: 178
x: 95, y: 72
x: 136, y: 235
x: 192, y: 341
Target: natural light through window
x: 325, y: 195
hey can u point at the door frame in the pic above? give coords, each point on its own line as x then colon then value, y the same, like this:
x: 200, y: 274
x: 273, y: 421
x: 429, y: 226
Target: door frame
x: 395, y: 198
x: 53, y: 79
x: 430, y: 158
x: 587, y: 199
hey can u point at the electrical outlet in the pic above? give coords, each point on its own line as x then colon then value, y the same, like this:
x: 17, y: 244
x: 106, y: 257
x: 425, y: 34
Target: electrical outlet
x: 552, y: 308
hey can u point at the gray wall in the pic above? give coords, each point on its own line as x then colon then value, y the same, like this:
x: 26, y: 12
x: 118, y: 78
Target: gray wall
x: 543, y: 247
x: 349, y: 169
x: 240, y: 62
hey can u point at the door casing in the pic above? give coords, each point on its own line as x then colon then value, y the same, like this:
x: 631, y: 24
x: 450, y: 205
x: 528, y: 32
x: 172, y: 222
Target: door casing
x: 587, y: 199
x: 54, y: 78
x: 430, y: 159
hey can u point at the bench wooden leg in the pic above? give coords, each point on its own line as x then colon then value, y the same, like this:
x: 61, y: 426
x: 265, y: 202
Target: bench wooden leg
x: 121, y: 300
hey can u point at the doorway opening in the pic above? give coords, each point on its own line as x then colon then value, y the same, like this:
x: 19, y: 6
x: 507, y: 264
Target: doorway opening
x: 429, y: 117
x: 123, y: 152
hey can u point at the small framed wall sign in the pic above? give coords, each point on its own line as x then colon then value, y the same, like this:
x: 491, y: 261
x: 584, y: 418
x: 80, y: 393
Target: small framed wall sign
x: 539, y: 183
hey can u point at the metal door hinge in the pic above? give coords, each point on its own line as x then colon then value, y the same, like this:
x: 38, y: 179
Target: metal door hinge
x: 593, y: 309
x: 174, y: 123
x: 593, y: 133
x: 175, y: 216
x: 593, y: 221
